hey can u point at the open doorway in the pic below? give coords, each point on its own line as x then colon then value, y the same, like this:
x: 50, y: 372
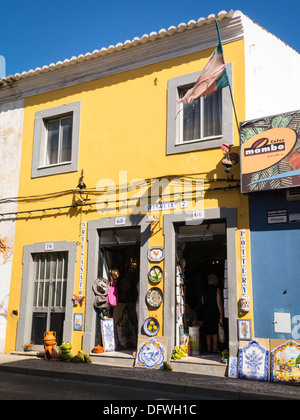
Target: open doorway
x: 119, y: 252
x: 201, y: 254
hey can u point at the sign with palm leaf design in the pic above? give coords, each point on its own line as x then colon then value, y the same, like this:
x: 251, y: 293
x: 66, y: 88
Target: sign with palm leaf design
x: 270, y: 152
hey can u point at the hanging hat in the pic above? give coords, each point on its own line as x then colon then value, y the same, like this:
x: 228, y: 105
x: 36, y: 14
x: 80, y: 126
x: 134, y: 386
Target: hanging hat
x: 101, y: 286
x: 100, y: 302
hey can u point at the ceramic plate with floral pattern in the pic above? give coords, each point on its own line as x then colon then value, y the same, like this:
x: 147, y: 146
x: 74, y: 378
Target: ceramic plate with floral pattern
x: 155, y: 274
x: 154, y: 297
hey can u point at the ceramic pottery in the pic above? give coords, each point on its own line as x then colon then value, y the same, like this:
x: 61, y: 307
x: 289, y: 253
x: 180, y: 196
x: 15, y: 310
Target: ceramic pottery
x: 50, y: 338
x: 154, y: 297
x: 245, y: 303
x: 151, y: 327
x: 155, y: 274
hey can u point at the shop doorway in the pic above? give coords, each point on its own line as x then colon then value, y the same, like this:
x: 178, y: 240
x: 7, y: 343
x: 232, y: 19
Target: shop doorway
x: 201, y: 253
x: 119, y: 254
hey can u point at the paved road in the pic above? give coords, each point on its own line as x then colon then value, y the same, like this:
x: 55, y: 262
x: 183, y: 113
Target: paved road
x: 130, y: 381
x: 25, y: 387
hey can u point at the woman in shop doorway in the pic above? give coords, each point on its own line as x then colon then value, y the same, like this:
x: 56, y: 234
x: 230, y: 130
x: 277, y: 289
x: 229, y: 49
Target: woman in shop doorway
x: 212, y: 312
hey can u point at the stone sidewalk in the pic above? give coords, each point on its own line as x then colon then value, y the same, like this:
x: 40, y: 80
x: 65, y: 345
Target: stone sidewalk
x: 189, y: 383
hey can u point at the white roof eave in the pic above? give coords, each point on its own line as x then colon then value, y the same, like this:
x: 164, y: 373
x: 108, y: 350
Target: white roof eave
x: 153, y: 36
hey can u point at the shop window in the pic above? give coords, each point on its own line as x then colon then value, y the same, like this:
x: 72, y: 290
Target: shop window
x: 205, y: 123
x: 56, y: 140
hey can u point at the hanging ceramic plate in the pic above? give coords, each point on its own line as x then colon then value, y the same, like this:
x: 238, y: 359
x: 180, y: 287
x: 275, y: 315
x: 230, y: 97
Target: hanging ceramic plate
x: 156, y: 254
x: 151, y: 327
x: 155, y: 274
x: 154, y: 297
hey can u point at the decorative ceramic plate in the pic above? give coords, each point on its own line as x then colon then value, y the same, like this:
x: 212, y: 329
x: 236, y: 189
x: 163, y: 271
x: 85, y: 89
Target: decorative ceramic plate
x: 154, y: 297
x: 155, y: 274
x: 151, y: 326
x: 156, y: 254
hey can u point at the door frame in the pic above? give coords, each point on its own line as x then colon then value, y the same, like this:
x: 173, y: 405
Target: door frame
x: 170, y: 220
x: 93, y: 228
x: 27, y: 288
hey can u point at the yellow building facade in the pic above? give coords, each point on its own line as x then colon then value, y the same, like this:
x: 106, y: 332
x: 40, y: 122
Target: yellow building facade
x: 146, y: 192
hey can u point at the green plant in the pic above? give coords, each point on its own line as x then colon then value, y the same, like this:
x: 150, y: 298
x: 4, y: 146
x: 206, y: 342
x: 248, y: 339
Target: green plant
x: 28, y: 346
x: 178, y: 353
x: 167, y: 367
x: 225, y: 356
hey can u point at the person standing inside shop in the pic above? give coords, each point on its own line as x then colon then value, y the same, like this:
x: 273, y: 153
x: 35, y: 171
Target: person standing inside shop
x: 212, y: 312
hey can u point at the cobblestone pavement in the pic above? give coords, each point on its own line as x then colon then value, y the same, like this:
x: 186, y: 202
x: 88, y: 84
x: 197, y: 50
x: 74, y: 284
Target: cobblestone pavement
x: 150, y: 378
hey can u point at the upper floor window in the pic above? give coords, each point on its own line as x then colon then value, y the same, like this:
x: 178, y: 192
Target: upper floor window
x: 201, y: 119
x: 205, y: 123
x: 59, y: 141
x: 56, y: 140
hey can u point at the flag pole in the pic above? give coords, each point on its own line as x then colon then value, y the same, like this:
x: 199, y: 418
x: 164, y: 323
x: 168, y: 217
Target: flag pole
x: 229, y: 85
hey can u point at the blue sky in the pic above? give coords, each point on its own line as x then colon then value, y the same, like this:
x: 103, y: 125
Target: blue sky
x: 37, y: 33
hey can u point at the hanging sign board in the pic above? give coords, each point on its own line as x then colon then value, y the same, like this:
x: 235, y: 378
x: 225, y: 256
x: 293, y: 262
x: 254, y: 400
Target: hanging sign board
x: 270, y: 153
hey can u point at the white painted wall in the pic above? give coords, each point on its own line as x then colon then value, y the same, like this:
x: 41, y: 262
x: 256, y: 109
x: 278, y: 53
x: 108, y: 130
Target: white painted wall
x: 272, y: 73
x: 11, y: 127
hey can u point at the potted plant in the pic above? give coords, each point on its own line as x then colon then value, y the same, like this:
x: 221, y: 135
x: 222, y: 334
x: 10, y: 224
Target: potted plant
x: 28, y: 346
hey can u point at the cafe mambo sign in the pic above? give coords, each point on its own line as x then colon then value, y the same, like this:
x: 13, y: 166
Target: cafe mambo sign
x: 270, y: 152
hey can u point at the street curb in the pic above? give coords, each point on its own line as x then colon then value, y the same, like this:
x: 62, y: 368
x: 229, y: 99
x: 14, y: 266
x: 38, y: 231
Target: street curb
x: 128, y: 382
x: 203, y: 390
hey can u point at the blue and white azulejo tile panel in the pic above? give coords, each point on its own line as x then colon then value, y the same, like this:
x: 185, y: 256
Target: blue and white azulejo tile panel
x: 254, y: 361
x: 151, y: 353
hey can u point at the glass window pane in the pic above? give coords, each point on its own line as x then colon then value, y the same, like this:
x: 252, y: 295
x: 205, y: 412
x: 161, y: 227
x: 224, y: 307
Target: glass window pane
x: 37, y: 267
x: 108, y: 237
x: 53, y: 294
x: 128, y: 235
x: 59, y: 268
x: 52, y: 142
x: 58, y: 293
x: 191, y: 121
x: 54, y: 265
x: 64, y: 294
x: 40, y: 294
x: 203, y: 230
x: 48, y: 269
x: 212, y: 115
x: 66, y: 127
x: 39, y: 326
x: 46, y: 291
x: 41, y: 269
x: 35, y: 293
x: 65, y: 269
